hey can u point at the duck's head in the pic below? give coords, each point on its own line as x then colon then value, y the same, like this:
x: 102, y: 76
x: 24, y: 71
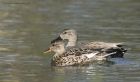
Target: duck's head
x: 69, y: 34
x: 57, y: 47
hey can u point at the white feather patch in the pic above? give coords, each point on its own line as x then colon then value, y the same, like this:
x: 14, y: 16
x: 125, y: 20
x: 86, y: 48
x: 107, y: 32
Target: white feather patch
x: 91, y: 55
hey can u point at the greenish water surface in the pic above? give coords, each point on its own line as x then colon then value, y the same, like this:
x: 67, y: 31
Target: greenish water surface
x: 28, y: 26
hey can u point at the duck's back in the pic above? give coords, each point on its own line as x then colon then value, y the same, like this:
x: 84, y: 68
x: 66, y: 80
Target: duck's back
x: 97, y: 44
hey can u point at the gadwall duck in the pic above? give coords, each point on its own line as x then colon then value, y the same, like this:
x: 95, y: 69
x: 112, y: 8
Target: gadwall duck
x: 71, y: 36
x: 76, y: 56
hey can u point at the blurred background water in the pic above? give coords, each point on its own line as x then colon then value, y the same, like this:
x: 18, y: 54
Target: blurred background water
x: 28, y: 26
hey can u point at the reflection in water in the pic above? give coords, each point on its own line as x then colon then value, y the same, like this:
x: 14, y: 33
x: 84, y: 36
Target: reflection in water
x: 27, y: 27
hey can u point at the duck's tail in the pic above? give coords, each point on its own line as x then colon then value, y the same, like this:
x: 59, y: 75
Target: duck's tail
x: 119, y: 52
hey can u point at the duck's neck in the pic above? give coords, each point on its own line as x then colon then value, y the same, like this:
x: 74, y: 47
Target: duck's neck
x: 59, y: 53
x: 72, y: 41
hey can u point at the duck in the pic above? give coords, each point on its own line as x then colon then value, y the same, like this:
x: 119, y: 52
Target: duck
x: 71, y: 36
x: 76, y: 56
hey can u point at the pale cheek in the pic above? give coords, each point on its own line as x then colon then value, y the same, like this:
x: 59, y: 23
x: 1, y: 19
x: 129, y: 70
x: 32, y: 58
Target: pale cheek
x: 63, y: 36
x: 55, y: 49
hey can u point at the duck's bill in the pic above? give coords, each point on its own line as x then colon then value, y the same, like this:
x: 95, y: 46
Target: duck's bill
x: 57, y: 39
x: 48, y: 50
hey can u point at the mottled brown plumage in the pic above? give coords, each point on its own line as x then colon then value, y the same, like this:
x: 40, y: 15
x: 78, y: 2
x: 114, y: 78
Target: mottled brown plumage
x: 71, y: 36
x: 75, y: 56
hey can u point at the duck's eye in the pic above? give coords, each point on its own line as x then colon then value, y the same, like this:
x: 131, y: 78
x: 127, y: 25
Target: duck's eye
x: 53, y: 44
x: 64, y: 32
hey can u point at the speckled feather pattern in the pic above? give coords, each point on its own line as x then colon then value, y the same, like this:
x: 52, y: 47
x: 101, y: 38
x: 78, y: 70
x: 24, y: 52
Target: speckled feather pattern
x: 70, y: 60
x: 75, y: 56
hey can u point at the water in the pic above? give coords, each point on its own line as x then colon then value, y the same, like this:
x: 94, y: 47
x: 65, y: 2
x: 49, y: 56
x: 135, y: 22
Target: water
x: 28, y: 26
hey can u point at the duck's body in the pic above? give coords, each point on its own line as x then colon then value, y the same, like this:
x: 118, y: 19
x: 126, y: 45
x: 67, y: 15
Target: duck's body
x: 76, y: 56
x: 71, y: 60
x: 71, y: 36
